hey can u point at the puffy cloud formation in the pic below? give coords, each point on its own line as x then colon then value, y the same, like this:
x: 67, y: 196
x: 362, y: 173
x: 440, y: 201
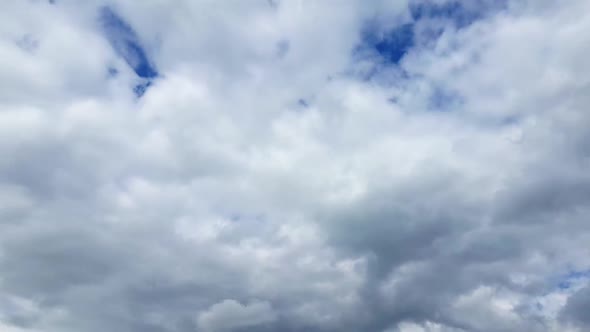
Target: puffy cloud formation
x: 296, y: 165
x: 229, y: 315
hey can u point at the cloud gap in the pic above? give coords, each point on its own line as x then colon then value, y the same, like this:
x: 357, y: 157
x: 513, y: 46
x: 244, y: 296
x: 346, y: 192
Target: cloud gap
x: 127, y: 44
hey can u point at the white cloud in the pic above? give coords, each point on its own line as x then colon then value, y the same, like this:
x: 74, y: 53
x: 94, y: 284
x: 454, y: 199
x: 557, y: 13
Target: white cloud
x: 230, y: 314
x: 443, y: 194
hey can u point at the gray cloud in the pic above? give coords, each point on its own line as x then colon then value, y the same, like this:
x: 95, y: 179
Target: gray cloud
x: 576, y: 308
x: 212, y: 203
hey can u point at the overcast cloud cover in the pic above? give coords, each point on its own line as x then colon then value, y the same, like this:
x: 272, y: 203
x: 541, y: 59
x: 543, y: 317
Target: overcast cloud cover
x: 296, y: 165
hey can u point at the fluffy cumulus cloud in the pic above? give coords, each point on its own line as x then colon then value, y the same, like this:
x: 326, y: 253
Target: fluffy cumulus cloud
x: 229, y: 315
x: 294, y: 165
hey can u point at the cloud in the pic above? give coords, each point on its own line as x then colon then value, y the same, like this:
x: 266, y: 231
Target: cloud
x: 576, y: 308
x: 231, y: 315
x: 294, y: 166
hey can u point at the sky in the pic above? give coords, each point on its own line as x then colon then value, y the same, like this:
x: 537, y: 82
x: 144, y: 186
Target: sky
x: 294, y: 166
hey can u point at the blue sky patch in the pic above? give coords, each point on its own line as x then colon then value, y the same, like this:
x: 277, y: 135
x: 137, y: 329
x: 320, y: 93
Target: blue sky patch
x: 140, y: 89
x: 571, y: 277
x: 451, y: 10
x: 126, y: 43
x: 396, y: 43
x: 390, y: 45
x: 460, y: 13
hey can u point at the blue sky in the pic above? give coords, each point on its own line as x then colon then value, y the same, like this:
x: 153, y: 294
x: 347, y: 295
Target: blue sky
x: 127, y: 45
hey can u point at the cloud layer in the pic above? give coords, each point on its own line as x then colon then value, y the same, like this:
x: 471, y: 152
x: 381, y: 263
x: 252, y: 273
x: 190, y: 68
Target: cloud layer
x: 391, y: 166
